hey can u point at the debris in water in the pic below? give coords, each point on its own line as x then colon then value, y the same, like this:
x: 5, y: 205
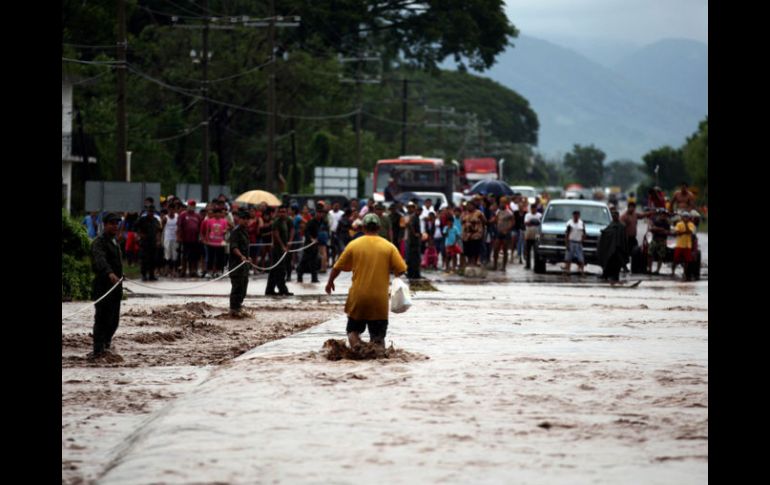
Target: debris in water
x: 337, y: 350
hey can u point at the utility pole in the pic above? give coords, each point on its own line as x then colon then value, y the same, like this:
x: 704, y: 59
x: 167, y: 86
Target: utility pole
x: 404, y: 107
x: 294, y: 172
x: 120, y: 136
x: 359, y: 79
x: 271, y: 104
x: 440, y: 125
x: 236, y: 22
x: 205, y: 89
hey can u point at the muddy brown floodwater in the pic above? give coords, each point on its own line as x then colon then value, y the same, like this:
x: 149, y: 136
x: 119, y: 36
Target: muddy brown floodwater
x: 507, y: 379
x: 165, y: 347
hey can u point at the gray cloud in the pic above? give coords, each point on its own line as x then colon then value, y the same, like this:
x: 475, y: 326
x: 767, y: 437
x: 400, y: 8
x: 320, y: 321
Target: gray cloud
x: 636, y: 21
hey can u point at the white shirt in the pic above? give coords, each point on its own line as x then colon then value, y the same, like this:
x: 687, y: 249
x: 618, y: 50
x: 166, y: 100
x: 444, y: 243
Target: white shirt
x: 576, y: 234
x: 169, y: 232
x: 334, y: 218
x: 424, y: 216
x: 537, y: 216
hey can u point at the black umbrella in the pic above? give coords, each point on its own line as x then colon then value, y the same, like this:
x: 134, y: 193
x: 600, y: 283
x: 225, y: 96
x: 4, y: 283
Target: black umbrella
x: 491, y: 187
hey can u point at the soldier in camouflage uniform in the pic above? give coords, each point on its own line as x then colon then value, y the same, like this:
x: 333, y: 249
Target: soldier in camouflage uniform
x: 239, y: 252
x: 108, y: 269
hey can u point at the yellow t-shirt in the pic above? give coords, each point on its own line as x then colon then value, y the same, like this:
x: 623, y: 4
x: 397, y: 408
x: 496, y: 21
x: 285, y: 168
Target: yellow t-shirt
x: 371, y: 259
x: 684, y: 240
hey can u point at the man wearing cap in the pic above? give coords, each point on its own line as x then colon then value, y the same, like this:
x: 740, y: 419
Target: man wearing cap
x: 239, y: 252
x: 684, y: 230
x: 613, y: 248
x: 108, y: 270
x: 371, y: 259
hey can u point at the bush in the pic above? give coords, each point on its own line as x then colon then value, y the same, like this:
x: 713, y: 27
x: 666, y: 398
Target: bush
x: 74, y: 238
x: 76, y: 274
x: 76, y: 278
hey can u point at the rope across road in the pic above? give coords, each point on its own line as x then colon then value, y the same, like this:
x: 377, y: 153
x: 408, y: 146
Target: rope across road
x: 134, y: 282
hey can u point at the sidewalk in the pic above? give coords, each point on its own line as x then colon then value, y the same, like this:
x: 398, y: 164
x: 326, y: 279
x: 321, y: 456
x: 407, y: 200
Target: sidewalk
x: 524, y: 383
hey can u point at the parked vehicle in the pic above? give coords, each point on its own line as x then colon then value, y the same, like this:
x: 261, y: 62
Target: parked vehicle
x: 551, y: 243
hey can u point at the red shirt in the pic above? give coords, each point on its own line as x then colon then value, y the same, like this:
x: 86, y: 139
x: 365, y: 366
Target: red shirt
x: 189, y: 225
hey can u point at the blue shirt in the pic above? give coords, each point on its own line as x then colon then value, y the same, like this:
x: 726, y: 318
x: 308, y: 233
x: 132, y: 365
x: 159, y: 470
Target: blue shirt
x: 92, y: 225
x: 452, y: 234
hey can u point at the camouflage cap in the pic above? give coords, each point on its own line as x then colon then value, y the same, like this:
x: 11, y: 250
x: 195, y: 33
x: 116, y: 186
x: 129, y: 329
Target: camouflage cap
x: 371, y: 219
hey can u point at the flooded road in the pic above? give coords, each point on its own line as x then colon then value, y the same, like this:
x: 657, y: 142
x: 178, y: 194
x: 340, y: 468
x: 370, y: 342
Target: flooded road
x: 528, y: 379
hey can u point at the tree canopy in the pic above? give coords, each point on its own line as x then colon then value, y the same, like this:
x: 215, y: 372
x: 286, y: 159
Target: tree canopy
x: 585, y: 164
x: 316, y: 112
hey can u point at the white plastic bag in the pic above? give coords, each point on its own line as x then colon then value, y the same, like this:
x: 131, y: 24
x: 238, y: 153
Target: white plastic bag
x: 400, y: 299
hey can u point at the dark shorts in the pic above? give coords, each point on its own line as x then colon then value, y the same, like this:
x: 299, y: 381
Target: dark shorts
x: 657, y: 250
x: 377, y: 328
x: 472, y: 247
x: 504, y: 236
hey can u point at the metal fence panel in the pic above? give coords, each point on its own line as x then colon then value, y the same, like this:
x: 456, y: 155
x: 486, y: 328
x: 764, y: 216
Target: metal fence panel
x: 120, y: 196
x: 193, y: 191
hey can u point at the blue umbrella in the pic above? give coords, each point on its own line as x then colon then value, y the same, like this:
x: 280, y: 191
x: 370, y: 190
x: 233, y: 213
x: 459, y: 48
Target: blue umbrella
x: 491, y: 187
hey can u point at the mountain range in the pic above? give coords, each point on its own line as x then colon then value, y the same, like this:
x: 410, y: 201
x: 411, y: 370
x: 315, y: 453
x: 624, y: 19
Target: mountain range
x: 654, y: 96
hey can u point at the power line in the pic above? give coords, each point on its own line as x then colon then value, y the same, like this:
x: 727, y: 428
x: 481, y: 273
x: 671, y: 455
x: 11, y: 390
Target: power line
x: 184, y: 8
x: 170, y: 15
x: 240, y: 74
x: 92, y: 78
x: 94, y: 63
x: 84, y: 46
x: 234, y: 106
x: 182, y: 134
x: 400, y: 123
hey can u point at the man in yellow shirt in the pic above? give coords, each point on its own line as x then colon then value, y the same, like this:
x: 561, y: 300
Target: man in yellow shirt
x: 371, y: 258
x: 684, y: 230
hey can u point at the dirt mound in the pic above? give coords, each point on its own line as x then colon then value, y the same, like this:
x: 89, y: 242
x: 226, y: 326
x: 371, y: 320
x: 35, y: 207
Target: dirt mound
x: 338, y: 350
x: 106, y: 358
x: 421, y: 285
x: 148, y: 338
x: 77, y: 340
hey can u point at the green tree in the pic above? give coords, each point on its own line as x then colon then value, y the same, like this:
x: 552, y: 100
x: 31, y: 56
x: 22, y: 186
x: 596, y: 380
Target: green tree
x: 670, y: 163
x: 585, y: 164
x: 623, y: 173
x: 696, y: 158
x: 423, y: 33
x: 164, y: 86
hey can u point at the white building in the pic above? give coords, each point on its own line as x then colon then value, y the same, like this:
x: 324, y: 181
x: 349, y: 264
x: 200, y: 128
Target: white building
x: 67, y: 158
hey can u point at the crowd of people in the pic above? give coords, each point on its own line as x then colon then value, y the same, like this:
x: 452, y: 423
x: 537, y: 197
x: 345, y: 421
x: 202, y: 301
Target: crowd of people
x: 179, y: 239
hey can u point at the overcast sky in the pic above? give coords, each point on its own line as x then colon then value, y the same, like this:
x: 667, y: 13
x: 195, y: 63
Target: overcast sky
x: 636, y: 21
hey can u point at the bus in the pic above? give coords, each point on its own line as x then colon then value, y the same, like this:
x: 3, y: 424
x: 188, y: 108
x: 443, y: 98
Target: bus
x: 475, y: 169
x: 384, y: 169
